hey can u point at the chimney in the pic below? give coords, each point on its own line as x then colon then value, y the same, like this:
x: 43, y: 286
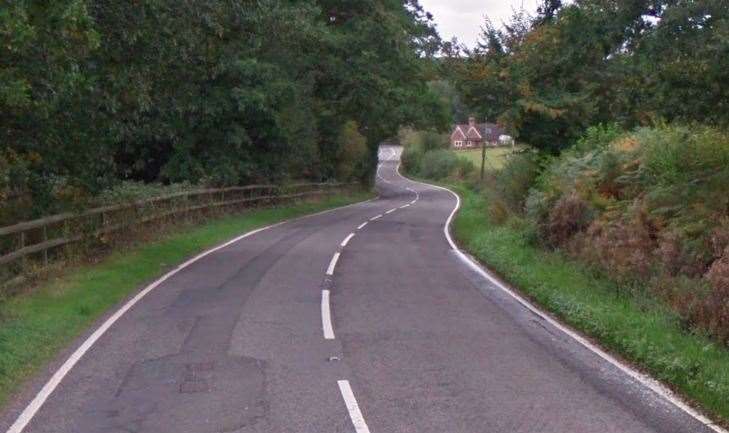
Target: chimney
x: 471, y: 121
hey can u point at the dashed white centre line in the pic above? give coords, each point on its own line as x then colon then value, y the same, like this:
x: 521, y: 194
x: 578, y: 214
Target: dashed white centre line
x: 346, y: 240
x: 332, y: 264
x: 376, y: 217
x: 326, y: 316
x: 391, y: 211
x: 361, y: 226
x: 360, y: 426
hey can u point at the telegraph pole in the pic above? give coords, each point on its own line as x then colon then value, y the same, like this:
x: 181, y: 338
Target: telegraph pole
x: 487, y: 133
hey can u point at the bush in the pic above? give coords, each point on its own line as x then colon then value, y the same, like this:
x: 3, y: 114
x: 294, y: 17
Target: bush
x: 715, y: 307
x: 412, y: 158
x: 438, y: 164
x: 675, y: 155
x: 464, y: 167
x: 516, y: 178
x: 352, y: 152
x: 597, y: 138
x: 569, y: 216
x: 416, y: 144
x: 648, y: 206
x: 431, y: 140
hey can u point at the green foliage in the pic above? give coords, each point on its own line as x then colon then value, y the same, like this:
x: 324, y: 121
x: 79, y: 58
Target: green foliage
x: 93, y: 93
x: 684, y: 155
x: 548, y: 78
x: 352, y: 152
x: 433, y: 141
x: 636, y: 326
x: 412, y: 159
x: 438, y: 164
x: 515, y: 179
x: 649, y: 205
x: 464, y: 168
x: 416, y: 144
x: 597, y: 138
x: 413, y: 151
x: 451, y: 100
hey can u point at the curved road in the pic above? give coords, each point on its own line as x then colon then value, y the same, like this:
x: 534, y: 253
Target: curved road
x: 355, y: 320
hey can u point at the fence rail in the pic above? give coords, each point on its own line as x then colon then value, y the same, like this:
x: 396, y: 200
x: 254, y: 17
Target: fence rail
x: 42, y: 236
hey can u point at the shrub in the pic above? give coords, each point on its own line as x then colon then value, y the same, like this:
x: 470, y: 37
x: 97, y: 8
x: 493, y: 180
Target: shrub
x: 676, y: 155
x: 412, y: 158
x: 649, y: 206
x: 720, y: 238
x: 464, y: 167
x: 352, y: 152
x: 438, y: 164
x: 516, y: 178
x: 715, y: 308
x: 624, y: 247
x: 569, y: 216
x: 431, y: 140
x: 598, y: 138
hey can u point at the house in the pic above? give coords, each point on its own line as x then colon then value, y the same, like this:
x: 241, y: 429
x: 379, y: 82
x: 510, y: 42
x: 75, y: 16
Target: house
x: 473, y: 135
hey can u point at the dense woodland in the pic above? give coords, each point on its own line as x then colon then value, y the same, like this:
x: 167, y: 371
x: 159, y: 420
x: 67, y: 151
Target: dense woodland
x: 550, y: 76
x: 95, y: 94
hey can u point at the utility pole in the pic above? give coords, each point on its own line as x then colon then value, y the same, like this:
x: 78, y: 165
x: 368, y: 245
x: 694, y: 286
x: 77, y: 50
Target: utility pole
x: 487, y: 133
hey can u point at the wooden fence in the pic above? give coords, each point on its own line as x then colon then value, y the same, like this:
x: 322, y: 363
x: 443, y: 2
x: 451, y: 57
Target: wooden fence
x: 39, y: 238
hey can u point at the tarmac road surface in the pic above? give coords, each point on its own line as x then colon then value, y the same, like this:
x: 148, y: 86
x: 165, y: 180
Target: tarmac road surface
x: 362, y: 319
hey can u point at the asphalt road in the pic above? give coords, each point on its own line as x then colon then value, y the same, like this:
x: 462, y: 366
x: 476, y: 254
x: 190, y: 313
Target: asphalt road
x: 277, y: 333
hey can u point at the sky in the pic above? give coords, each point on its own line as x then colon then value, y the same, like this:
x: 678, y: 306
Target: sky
x: 463, y: 18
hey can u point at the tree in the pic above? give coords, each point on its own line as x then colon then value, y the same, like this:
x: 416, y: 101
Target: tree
x: 352, y: 152
x: 549, y: 77
x: 93, y: 92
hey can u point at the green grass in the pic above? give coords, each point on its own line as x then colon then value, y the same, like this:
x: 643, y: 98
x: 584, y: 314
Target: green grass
x: 637, y: 328
x: 495, y: 156
x: 35, y: 326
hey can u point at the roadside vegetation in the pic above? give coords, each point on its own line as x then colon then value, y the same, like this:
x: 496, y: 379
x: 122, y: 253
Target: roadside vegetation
x: 495, y: 157
x: 621, y: 236
x: 36, y: 326
x: 615, y: 217
x: 99, y: 95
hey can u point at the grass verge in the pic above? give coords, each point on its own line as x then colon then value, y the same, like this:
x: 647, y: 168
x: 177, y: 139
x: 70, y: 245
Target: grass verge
x: 495, y: 156
x: 35, y: 326
x: 633, y: 326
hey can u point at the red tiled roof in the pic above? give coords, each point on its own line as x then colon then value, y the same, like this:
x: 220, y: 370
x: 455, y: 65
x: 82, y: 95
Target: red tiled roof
x: 492, y: 136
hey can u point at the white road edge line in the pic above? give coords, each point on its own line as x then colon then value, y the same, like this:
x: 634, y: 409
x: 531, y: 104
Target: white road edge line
x: 346, y: 240
x: 390, y: 211
x: 361, y: 226
x: 376, y: 217
x: 404, y: 206
x: 34, y: 406
x: 332, y: 264
x: 360, y: 426
x: 643, y: 379
x: 326, y: 316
